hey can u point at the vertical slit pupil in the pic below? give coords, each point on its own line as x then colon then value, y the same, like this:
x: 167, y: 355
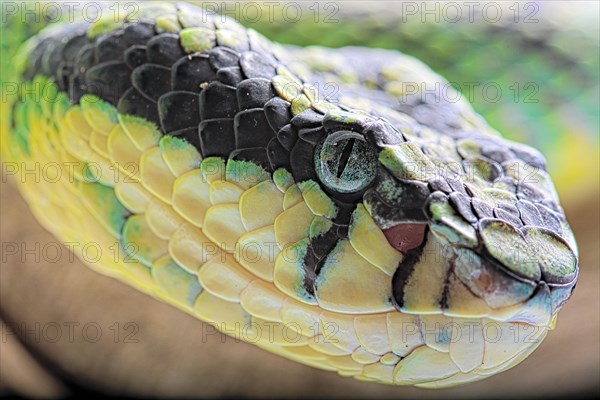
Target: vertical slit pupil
x: 346, y: 152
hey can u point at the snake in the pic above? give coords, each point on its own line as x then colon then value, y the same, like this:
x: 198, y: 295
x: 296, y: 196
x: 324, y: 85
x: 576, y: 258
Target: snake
x: 402, y: 242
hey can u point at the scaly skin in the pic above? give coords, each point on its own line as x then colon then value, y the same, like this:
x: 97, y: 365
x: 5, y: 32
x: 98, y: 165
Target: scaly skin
x: 543, y: 57
x: 382, y: 241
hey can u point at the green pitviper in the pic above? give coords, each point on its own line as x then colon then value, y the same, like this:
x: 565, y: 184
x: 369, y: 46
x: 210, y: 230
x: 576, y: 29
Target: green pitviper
x: 403, y: 242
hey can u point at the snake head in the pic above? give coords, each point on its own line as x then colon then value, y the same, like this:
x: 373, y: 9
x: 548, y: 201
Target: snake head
x: 475, y: 216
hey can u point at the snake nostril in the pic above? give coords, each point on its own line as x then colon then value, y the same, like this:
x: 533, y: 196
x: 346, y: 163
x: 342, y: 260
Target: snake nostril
x: 405, y: 236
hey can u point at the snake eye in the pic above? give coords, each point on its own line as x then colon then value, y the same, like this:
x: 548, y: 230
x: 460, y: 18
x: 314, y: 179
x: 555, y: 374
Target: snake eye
x: 345, y: 162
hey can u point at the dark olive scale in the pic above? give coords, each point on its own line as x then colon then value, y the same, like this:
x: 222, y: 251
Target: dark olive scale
x: 278, y: 113
x: 526, y: 191
x: 278, y: 155
x: 62, y: 76
x: 509, y: 213
x: 255, y: 65
x: 255, y: 93
x: 223, y: 57
x: 486, y: 168
x: 164, y: 49
x: 287, y: 136
x: 495, y: 151
x: 190, y: 72
x: 252, y: 120
x: 218, y: 101
x: 381, y: 134
x: 301, y: 158
x: 135, y: 56
x: 231, y: 76
x: 38, y: 52
x: 462, y: 204
x: 551, y: 219
x: 178, y: 110
x: 343, y: 120
x: 111, y: 80
x: 217, y: 137
x: 529, y: 213
x: 312, y: 135
x: 457, y: 185
x: 151, y: 80
x: 308, y: 118
x: 223, y: 102
x: 481, y: 208
x: 110, y: 48
x: 439, y: 184
x: 508, y: 184
x: 134, y: 103
x: 72, y: 47
x: 138, y: 34
x: 52, y: 58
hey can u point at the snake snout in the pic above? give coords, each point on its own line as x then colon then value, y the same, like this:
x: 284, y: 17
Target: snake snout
x: 456, y: 260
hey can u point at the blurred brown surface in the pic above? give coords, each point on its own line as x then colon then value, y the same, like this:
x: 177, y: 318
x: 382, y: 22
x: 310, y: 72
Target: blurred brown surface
x: 20, y: 372
x: 73, y: 320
